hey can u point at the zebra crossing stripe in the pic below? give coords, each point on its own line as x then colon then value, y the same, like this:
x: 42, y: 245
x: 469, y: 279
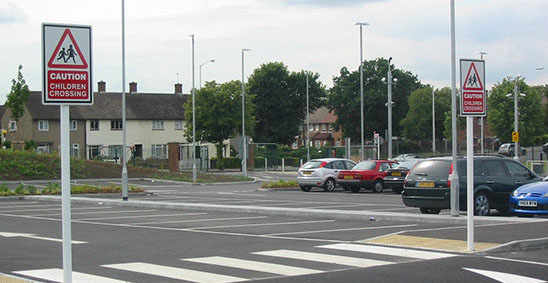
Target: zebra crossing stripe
x: 388, y: 251
x: 56, y: 275
x: 333, y: 259
x: 175, y: 272
x: 255, y: 265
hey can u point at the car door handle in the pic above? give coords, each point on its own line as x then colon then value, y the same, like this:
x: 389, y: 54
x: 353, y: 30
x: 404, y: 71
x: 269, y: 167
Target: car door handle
x: 518, y: 182
x: 489, y: 182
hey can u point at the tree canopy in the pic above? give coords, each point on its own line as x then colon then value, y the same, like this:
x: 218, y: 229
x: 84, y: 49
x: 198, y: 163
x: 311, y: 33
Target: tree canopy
x: 280, y: 101
x: 344, y: 99
x: 18, y: 96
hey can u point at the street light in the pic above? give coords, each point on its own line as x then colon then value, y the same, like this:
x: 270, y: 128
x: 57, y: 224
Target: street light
x: 208, y: 61
x: 516, y: 115
x: 389, y: 81
x: 194, y: 174
x: 361, y: 24
x: 481, y: 53
x: 244, y: 143
x: 307, y: 123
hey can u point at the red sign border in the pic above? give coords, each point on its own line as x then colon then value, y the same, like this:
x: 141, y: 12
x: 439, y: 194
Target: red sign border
x: 69, y: 34
x: 482, y: 90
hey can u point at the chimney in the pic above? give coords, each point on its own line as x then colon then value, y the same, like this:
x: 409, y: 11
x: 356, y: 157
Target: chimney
x: 101, y: 86
x: 178, y: 88
x: 133, y: 87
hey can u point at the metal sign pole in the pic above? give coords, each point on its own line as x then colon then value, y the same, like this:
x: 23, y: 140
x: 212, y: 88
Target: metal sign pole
x: 470, y: 182
x: 65, y: 193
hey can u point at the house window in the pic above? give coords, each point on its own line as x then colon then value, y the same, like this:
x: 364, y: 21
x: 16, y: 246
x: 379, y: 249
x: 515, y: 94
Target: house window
x: 43, y: 125
x: 311, y: 128
x: 179, y: 125
x: 115, y: 151
x: 158, y: 125
x: 13, y: 126
x: 317, y: 127
x: 330, y: 128
x: 93, y: 151
x: 75, y: 152
x: 324, y: 128
x: 159, y: 151
x: 42, y: 148
x: 116, y: 125
x: 94, y: 125
x: 73, y: 125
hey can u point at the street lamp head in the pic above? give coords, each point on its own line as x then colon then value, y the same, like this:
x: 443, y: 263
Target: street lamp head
x: 362, y: 23
x: 212, y: 60
x: 245, y: 49
x: 395, y: 80
x: 540, y: 68
x: 389, y: 59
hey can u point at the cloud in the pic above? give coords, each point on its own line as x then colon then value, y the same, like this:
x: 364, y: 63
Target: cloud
x: 328, y: 3
x: 9, y: 13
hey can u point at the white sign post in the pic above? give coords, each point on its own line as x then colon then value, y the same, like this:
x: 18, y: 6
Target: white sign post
x: 472, y: 104
x: 66, y: 61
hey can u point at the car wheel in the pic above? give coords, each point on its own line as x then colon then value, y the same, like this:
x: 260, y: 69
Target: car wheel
x: 355, y: 189
x: 329, y: 185
x: 482, y: 204
x: 426, y: 210
x: 305, y: 189
x: 378, y: 186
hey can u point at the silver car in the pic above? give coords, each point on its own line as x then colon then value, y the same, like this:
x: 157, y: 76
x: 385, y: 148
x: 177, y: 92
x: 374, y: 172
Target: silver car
x: 322, y: 173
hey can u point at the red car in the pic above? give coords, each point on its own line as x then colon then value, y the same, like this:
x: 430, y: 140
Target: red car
x: 366, y: 174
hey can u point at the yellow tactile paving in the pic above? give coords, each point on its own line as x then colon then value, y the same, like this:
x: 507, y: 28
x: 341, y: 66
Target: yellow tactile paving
x: 7, y: 279
x: 428, y: 243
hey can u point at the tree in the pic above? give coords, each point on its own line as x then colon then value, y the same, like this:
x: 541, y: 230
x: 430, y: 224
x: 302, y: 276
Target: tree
x: 18, y: 96
x: 280, y: 101
x: 218, y: 113
x: 500, y: 113
x: 417, y: 124
x: 344, y: 99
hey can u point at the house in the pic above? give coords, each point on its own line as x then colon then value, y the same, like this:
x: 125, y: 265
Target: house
x: 321, y: 130
x: 152, y: 119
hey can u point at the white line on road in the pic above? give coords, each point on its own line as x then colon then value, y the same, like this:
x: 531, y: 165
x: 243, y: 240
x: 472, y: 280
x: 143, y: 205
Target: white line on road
x: 142, y: 216
x: 387, y: 251
x: 201, y: 220
x: 325, y: 258
x: 58, y: 208
x: 505, y: 277
x: 56, y: 275
x: 100, y: 212
x: 518, y: 260
x: 255, y: 265
x: 33, y: 236
x: 266, y: 224
x: 175, y: 273
x: 335, y: 206
x: 343, y: 229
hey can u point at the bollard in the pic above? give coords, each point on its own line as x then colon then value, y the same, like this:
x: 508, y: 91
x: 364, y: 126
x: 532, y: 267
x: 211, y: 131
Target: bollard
x: 283, y: 165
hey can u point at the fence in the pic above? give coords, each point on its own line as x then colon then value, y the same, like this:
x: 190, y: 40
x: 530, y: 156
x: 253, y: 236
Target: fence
x: 538, y: 166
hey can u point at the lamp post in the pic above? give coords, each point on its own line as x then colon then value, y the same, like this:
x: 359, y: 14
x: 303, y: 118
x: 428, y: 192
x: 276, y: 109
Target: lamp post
x: 208, y: 61
x: 361, y: 24
x: 389, y: 104
x: 433, y: 122
x: 307, y: 123
x: 124, y: 167
x: 481, y: 53
x: 194, y: 173
x: 454, y: 176
x: 516, y: 116
x: 244, y: 143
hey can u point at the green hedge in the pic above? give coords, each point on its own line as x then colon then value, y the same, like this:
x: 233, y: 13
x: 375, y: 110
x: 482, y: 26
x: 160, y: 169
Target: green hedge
x: 227, y: 163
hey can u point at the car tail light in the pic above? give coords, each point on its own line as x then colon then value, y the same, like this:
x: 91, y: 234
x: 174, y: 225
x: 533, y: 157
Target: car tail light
x: 323, y: 164
x: 449, y: 177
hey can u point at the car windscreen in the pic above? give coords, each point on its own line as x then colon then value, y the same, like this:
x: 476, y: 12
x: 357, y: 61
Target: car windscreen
x: 405, y: 164
x: 366, y: 165
x: 437, y: 169
x: 313, y: 164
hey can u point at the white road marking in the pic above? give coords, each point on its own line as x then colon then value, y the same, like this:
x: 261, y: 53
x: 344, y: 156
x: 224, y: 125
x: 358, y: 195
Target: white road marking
x: 343, y: 229
x: 388, y: 251
x: 201, y: 220
x: 18, y: 202
x: 175, y: 272
x: 99, y: 212
x: 326, y: 258
x: 142, y: 216
x: 255, y: 265
x: 267, y: 224
x: 518, y: 260
x: 56, y: 275
x: 33, y: 236
x: 58, y: 208
x: 23, y: 206
x: 335, y: 206
x: 505, y: 277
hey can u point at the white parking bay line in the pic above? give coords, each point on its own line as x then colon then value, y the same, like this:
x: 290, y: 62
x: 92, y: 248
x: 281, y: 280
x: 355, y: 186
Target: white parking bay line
x: 100, y: 212
x: 266, y: 224
x: 58, y: 208
x: 56, y: 275
x: 325, y: 258
x: 342, y: 230
x: 143, y: 216
x: 255, y: 265
x: 401, y: 252
x: 175, y: 273
x: 202, y: 220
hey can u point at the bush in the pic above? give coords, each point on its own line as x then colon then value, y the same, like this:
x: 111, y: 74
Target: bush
x: 226, y: 162
x: 280, y: 184
x: 20, y: 189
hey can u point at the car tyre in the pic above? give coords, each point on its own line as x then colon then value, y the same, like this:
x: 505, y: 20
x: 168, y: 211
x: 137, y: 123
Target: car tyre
x: 426, y: 210
x: 329, y: 185
x: 482, y: 204
x: 378, y: 186
x: 305, y: 188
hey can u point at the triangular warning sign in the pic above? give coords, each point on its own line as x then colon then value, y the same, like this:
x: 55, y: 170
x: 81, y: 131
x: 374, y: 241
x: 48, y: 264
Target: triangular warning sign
x: 473, y: 80
x: 67, y: 54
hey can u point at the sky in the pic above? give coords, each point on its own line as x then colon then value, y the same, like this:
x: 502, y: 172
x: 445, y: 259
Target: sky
x: 315, y: 35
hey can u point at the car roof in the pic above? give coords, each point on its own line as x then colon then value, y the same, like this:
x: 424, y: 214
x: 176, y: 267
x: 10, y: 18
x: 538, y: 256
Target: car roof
x: 330, y: 159
x: 490, y: 156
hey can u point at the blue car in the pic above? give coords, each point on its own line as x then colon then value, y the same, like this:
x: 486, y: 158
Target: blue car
x: 530, y: 199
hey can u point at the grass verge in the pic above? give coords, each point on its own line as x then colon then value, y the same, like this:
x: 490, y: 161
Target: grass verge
x: 55, y: 189
x: 280, y: 184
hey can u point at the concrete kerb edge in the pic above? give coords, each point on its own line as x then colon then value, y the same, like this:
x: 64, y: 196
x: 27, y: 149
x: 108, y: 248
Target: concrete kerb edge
x: 133, y: 179
x: 519, y: 245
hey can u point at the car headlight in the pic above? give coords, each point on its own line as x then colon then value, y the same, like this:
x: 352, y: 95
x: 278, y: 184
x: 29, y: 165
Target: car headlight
x: 515, y: 193
x: 545, y: 195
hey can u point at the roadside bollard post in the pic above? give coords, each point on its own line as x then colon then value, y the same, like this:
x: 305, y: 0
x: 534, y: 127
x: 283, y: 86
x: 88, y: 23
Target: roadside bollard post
x: 283, y: 165
x: 266, y: 164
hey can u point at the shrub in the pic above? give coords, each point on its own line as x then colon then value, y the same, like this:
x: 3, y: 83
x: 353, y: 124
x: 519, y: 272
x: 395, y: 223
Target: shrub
x: 20, y: 189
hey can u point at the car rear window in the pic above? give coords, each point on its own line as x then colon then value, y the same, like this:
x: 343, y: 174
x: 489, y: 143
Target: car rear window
x: 312, y: 164
x: 432, y: 168
x: 405, y: 164
x: 366, y: 165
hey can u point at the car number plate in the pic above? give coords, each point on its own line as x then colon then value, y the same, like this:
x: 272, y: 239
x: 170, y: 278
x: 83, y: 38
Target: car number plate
x: 306, y: 173
x: 529, y: 203
x: 349, y: 177
x: 425, y: 184
x: 396, y: 174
